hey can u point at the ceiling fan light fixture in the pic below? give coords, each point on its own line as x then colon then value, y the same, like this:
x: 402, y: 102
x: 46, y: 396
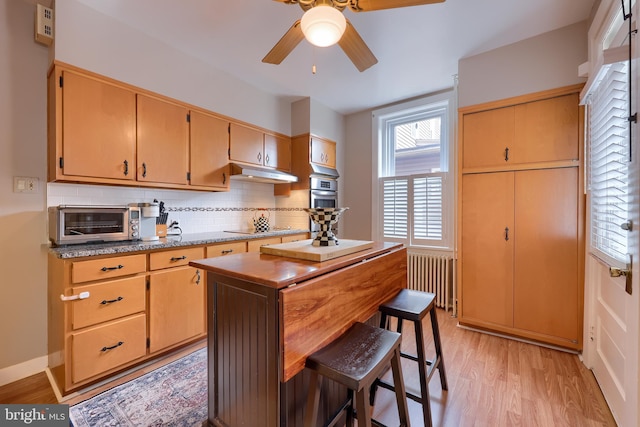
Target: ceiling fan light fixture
x: 323, y: 25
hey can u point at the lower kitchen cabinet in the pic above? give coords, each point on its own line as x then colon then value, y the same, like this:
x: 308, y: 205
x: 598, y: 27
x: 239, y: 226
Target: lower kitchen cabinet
x: 176, y: 298
x: 108, y: 313
x: 176, y: 307
x: 98, y: 349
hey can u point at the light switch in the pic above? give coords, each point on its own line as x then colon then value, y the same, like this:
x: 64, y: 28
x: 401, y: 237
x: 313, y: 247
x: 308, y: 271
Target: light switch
x: 25, y: 184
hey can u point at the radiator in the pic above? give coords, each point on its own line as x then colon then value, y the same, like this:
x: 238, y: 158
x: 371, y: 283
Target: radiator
x: 432, y: 273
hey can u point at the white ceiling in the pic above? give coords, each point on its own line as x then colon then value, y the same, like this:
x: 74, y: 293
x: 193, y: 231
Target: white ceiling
x: 418, y: 47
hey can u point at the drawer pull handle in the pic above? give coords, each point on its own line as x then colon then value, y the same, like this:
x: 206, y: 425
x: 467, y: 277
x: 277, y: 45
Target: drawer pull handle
x: 506, y: 234
x: 112, y: 347
x: 506, y: 154
x: 178, y: 258
x: 126, y: 168
x: 118, y: 267
x: 226, y: 251
x: 105, y: 302
x: 197, y: 277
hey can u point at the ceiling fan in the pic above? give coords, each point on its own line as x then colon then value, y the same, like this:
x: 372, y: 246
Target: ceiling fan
x: 323, y: 24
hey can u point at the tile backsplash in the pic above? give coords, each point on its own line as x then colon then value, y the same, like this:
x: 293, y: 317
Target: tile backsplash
x: 196, y: 211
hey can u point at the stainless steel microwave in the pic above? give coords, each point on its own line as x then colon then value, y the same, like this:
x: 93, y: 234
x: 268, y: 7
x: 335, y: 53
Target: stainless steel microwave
x: 70, y: 224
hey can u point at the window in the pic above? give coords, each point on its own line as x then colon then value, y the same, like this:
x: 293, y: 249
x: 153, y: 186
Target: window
x: 607, y: 99
x: 413, y: 190
x: 609, y: 163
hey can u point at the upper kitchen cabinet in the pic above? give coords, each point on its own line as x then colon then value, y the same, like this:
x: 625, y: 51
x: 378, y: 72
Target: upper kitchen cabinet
x: 92, y: 128
x: 308, y: 152
x: 246, y: 144
x: 540, y: 132
x: 323, y: 152
x: 209, y: 151
x: 253, y: 146
x: 163, y: 141
x: 277, y: 152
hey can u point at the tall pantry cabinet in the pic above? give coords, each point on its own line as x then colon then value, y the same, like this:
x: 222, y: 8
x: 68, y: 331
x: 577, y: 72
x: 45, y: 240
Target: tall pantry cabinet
x: 521, y: 217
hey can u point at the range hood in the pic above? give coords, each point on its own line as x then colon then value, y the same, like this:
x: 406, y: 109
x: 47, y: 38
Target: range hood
x: 324, y: 171
x: 258, y: 174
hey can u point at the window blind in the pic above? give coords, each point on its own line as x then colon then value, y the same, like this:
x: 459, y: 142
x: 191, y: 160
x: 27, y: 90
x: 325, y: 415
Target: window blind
x: 609, y: 162
x: 413, y: 208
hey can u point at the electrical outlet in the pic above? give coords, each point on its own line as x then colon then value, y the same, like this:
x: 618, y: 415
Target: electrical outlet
x: 25, y: 184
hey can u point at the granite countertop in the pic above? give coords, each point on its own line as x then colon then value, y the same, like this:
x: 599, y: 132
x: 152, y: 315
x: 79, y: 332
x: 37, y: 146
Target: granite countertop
x: 171, y: 241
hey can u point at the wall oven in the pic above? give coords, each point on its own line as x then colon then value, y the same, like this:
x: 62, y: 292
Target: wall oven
x: 324, y: 194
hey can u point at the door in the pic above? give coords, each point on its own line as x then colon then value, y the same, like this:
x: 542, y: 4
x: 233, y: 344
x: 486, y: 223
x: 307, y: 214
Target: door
x: 176, y: 306
x: 547, y: 291
x: 99, y: 125
x: 163, y: 141
x: 209, y: 151
x: 487, y: 248
x: 246, y: 144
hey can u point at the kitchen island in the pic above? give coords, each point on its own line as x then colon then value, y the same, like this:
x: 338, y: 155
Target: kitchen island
x: 267, y: 313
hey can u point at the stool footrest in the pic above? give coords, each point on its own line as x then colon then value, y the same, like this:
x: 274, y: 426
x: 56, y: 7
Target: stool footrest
x: 390, y: 387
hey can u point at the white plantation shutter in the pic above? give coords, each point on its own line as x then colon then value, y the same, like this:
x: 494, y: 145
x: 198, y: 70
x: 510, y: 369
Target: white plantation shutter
x: 395, y: 206
x: 609, y: 162
x: 415, y: 200
x: 427, y: 208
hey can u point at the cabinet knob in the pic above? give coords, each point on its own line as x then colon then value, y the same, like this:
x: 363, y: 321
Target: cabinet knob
x: 260, y: 157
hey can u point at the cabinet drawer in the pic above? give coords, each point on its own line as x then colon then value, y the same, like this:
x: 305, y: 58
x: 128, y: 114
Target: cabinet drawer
x: 226, y: 249
x: 254, y: 245
x: 294, y: 238
x: 107, y: 268
x: 106, y: 347
x: 108, y: 301
x: 174, y: 258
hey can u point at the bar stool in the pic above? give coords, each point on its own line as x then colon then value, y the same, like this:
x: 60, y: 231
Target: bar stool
x: 413, y: 306
x: 355, y: 360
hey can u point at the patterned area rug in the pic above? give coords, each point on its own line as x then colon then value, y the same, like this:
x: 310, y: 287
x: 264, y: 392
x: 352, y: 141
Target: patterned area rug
x: 174, y: 395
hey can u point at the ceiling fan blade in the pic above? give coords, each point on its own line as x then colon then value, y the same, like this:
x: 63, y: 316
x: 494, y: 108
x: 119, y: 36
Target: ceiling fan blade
x: 285, y: 45
x: 356, y: 49
x: 369, y: 5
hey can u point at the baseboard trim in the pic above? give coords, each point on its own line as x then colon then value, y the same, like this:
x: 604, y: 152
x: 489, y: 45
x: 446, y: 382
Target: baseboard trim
x: 514, y: 338
x: 23, y: 370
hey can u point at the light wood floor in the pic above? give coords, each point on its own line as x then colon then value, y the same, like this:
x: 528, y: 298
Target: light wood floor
x: 492, y: 382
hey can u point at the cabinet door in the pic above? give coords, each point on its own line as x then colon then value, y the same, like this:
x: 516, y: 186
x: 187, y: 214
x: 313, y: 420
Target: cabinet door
x: 176, y: 306
x: 246, y: 144
x: 99, y: 128
x: 277, y: 152
x: 163, y: 141
x: 546, y: 290
x: 487, y: 135
x: 209, y: 151
x: 487, y: 248
x: 547, y: 130
x: 323, y: 152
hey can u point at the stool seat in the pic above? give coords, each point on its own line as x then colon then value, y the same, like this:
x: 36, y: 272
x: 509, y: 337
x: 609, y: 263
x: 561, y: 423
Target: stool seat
x: 409, y: 304
x: 413, y: 306
x: 356, y: 359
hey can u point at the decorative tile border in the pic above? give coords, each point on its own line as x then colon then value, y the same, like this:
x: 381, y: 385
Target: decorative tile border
x: 213, y: 209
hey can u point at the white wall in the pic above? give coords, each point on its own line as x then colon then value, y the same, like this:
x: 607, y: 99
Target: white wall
x: 23, y: 139
x: 357, y: 176
x: 93, y: 41
x: 544, y: 62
